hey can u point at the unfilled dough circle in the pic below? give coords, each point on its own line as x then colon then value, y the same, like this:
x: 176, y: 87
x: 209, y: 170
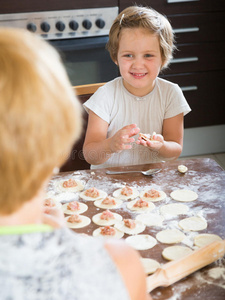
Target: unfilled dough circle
x: 97, y: 220
x: 193, y: 224
x: 150, y: 219
x: 176, y: 252
x: 170, y: 236
x: 118, y: 234
x: 85, y: 221
x: 83, y: 208
x: 161, y: 197
x: 184, y: 195
x: 150, y: 207
x: 141, y: 241
x: 174, y: 209
x: 102, y: 195
x: 204, y: 239
x: 150, y: 265
x: 140, y: 227
x: 117, y: 194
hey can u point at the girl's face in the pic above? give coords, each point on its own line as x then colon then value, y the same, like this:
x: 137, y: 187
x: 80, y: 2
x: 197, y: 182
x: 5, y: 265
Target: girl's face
x: 139, y: 60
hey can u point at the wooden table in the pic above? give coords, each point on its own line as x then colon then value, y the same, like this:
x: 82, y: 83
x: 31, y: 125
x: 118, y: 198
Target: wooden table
x: 206, y: 178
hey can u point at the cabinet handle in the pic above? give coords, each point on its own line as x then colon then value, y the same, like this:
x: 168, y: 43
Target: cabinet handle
x: 178, y: 1
x: 183, y: 60
x: 189, y: 88
x: 184, y: 30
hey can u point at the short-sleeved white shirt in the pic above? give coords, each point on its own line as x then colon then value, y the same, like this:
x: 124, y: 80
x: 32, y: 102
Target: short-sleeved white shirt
x: 114, y: 104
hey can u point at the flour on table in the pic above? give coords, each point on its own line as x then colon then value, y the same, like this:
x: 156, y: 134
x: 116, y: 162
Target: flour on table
x: 82, y: 208
x: 170, y: 236
x: 184, y: 195
x: 150, y: 219
x: 85, y: 221
x: 97, y: 219
x: 117, y: 194
x: 141, y: 241
x: 174, y: 209
x: 150, y: 265
x: 140, y: 227
x: 204, y: 239
x: 150, y: 206
x: 176, y: 252
x: 193, y: 224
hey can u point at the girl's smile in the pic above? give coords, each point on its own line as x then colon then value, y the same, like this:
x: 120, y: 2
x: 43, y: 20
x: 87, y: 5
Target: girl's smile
x: 139, y: 60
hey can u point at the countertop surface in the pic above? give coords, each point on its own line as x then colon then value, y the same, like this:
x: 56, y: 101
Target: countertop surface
x: 204, y: 176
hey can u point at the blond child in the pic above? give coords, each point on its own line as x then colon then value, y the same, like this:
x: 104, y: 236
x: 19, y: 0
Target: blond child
x: 141, y: 44
x: 40, y: 119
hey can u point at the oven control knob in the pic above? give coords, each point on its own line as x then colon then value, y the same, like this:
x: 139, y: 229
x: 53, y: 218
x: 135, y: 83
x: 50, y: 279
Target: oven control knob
x: 73, y: 25
x: 31, y: 27
x: 87, y: 24
x: 100, y: 23
x: 60, y: 26
x: 45, y: 27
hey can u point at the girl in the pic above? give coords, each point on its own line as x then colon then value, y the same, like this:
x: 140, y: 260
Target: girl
x: 141, y: 44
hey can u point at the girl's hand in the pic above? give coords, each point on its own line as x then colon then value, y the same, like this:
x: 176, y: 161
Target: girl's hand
x: 155, y: 144
x: 123, y: 138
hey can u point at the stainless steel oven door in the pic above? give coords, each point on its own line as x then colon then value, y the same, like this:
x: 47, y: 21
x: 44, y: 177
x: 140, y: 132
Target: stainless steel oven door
x: 86, y: 59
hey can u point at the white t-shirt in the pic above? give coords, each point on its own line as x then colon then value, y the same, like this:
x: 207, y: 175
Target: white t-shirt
x: 114, y: 104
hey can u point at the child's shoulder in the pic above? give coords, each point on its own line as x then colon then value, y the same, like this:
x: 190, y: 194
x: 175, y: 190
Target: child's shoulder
x: 165, y: 83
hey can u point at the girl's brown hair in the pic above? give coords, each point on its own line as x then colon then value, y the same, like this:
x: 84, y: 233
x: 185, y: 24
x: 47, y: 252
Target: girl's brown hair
x: 147, y: 18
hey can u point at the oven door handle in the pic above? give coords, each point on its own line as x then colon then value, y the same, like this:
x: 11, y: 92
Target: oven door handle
x: 80, y: 43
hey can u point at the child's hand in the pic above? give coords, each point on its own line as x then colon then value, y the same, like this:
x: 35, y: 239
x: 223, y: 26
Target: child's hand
x: 154, y: 144
x: 122, y: 139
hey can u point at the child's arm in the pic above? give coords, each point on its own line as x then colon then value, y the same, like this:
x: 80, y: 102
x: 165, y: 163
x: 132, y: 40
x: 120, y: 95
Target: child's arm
x: 171, y: 142
x: 97, y: 147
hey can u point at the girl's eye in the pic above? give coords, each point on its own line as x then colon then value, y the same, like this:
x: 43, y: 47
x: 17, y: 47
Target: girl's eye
x: 148, y: 55
x: 128, y: 55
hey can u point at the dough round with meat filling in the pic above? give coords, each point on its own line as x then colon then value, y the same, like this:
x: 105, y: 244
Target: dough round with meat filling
x: 98, y: 221
x: 118, y: 234
x: 162, y: 195
x: 85, y: 221
x: 101, y: 195
x: 98, y: 203
x: 82, y: 208
x: 60, y: 188
x: 131, y: 206
x: 140, y: 227
x: 117, y: 194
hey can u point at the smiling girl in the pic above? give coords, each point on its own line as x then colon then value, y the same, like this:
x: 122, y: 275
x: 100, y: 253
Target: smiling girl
x: 141, y: 44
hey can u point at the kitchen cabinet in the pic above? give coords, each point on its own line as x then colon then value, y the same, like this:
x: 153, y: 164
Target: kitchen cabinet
x: 199, y: 61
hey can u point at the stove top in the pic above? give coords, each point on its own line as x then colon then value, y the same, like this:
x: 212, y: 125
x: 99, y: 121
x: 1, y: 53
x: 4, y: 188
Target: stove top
x: 64, y: 24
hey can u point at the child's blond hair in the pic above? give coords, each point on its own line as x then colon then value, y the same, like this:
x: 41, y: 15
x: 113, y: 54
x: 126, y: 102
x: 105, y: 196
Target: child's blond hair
x: 147, y: 18
x: 40, y: 118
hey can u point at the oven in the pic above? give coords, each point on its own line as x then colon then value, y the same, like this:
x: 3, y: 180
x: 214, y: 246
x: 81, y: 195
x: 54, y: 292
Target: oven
x: 80, y: 36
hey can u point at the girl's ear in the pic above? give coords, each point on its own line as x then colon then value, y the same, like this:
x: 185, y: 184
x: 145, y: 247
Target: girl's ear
x: 115, y: 61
